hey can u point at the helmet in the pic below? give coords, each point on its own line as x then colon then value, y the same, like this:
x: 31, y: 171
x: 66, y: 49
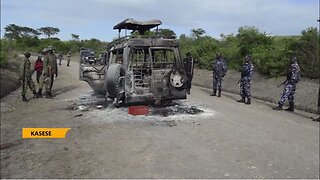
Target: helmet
x: 294, y: 59
x: 27, y: 54
x: 50, y: 48
x: 45, y: 50
x: 218, y: 55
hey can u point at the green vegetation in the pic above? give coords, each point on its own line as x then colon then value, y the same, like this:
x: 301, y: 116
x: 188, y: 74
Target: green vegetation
x: 3, y: 52
x: 270, y: 54
x: 21, y: 39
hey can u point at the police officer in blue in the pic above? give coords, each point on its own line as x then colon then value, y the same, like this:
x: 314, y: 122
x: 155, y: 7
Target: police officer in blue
x: 293, y: 77
x: 245, y: 81
x: 219, y: 71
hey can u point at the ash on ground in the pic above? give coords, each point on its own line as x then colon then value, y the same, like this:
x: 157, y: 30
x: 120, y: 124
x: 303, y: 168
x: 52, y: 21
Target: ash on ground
x: 90, y: 102
x: 175, y: 110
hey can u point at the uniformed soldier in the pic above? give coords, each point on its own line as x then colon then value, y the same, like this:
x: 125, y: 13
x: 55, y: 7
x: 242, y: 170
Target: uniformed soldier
x: 68, y: 58
x: 60, y: 58
x: 188, y: 63
x: 245, y: 81
x: 293, y: 77
x: 25, y: 77
x: 49, y: 70
x: 219, y: 71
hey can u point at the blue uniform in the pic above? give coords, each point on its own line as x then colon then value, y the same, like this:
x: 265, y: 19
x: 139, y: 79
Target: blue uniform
x: 219, y: 71
x: 293, y: 77
x: 245, y: 81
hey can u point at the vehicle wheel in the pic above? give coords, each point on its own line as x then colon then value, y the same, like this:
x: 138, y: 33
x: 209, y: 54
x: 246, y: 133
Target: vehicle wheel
x: 177, y: 79
x: 115, y: 81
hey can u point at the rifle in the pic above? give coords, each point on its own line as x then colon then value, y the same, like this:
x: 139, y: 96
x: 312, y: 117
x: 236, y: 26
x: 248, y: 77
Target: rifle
x: 239, y: 82
x: 23, y: 78
x: 49, y: 74
x: 282, y: 83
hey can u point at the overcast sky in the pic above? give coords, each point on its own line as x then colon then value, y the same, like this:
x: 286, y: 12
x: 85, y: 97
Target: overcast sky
x: 96, y: 18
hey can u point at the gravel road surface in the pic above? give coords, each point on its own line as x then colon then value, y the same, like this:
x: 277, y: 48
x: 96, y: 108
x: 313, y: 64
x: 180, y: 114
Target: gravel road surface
x: 221, y: 139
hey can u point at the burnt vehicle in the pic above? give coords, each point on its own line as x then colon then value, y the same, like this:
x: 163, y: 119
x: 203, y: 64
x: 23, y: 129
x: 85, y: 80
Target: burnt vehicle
x: 139, y: 68
x: 87, y: 56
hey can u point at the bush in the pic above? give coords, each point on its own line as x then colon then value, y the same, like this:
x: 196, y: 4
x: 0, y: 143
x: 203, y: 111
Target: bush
x: 306, y: 48
x: 3, y: 52
x: 271, y: 55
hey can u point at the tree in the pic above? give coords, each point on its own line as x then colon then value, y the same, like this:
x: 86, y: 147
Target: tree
x: 13, y: 31
x: 250, y: 37
x: 49, y: 31
x: 29, y: 32
x: 75, y: 37
x: 166, y: 32
x: 197, y: 32
x: 306, y: 48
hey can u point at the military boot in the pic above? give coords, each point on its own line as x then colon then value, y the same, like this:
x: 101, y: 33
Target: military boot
x: 242, y: 100
x: 219, y: 93
x: 39, y: 94
x: 290, y: 108
x: 214, y: 93
x: 24, y: 99
x: 34, y: 93
x: 279, y: 108
x: 317, y: 119
x: 48, y: 95
x: 248, y: 101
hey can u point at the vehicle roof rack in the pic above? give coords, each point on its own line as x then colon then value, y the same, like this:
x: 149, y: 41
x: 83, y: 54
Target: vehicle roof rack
x: 141, y: 26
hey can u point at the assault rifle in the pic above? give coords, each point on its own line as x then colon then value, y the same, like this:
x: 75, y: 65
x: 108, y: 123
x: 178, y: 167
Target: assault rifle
x: 282, y: 83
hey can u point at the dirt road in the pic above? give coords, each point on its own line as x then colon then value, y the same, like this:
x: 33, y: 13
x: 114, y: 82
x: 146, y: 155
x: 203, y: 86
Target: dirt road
x: 226, y: 140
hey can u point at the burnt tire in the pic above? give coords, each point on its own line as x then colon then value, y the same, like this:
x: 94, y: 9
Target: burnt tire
x: 183, y: 77
x: 115, y: 81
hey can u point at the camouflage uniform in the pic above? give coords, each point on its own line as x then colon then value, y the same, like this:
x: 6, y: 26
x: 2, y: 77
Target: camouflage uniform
x: 219, y: 71
x: 245, y: 81
x: 293, y: 77
x: 25, y: 77
x: 49, y: 69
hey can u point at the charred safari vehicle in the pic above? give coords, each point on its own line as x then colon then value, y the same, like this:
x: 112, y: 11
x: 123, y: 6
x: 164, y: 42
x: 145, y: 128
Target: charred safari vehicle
x: 138, y: 68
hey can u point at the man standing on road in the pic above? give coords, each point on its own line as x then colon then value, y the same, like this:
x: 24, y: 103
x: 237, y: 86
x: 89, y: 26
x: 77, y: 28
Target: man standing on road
x: 293, y: 77
x: 245, y: 81
x: 219, y: 71
x: 25, y: 77
x: 68, y: 58
x: 188, y: 63
x: 49, y: 70
x: 38, y: 67
x: 60, y: 58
